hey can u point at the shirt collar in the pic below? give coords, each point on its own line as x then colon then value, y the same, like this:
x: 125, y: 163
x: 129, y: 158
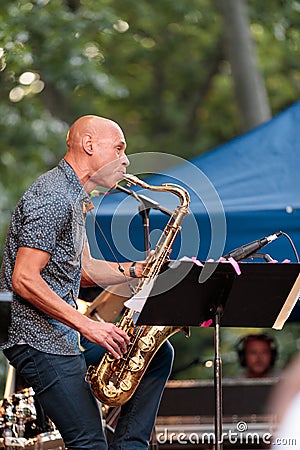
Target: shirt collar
x: 73, y: 178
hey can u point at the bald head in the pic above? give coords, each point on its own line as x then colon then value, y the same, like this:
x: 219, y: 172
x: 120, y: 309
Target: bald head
x: 92, y: 125
x: 96, y: 151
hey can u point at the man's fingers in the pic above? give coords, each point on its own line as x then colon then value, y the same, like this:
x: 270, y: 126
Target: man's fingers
x: 122, y: 334
x: 117, y: 341
x: 120, y: 342
x: 115, y: 352
x: 112, y: 338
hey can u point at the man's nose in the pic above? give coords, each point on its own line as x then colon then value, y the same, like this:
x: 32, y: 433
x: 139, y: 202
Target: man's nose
x: 125, y: 161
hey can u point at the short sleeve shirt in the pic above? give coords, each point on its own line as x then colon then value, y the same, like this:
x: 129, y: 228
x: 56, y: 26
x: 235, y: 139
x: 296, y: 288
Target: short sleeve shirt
x: 48, y: 217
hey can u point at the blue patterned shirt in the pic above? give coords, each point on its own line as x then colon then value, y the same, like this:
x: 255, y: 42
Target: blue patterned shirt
x: 48, y: 217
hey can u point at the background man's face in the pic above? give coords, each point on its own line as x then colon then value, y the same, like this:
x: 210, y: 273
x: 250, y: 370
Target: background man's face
x: 258, y: 357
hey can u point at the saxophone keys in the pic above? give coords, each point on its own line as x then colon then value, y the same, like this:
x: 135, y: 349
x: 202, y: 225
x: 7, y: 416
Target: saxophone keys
x: 136, y: 362
x: 90, y: 373
x: 110, y: 390
x: 125, y: 384
x: 146, y: 343
x: 109, y: 358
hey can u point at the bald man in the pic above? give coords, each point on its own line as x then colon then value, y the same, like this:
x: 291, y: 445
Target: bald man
x: 46, y: 260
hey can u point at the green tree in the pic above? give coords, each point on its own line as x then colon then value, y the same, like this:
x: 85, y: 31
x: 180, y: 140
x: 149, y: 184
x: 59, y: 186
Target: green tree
x: 249, y: 85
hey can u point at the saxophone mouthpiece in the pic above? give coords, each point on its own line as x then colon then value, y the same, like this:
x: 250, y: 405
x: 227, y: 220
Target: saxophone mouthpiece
x: 131, y: 179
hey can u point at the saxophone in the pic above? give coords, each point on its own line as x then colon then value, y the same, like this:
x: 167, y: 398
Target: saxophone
x: 114, y: 381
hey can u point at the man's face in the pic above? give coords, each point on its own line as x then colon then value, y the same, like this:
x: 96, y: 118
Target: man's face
x: 109, y: 159
x: 258, y: 357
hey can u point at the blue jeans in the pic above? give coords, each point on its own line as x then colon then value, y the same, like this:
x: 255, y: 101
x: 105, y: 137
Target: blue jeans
x: 59, y: 385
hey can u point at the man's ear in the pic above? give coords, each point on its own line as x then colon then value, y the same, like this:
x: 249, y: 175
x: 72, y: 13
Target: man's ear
x: 87, y: 144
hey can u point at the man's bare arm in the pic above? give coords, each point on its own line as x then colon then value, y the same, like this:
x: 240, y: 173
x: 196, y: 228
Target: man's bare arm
x: 103, y: 273
x: 28, y: 283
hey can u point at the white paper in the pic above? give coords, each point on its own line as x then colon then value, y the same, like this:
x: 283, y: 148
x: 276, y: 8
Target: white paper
x: 137, y: 301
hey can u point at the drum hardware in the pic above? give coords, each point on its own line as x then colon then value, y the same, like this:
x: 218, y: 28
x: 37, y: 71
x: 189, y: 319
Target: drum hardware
x: 46, y: 441
x: 21, y: 426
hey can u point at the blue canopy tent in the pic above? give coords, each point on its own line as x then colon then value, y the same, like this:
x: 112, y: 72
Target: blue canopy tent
x: 241, y: 191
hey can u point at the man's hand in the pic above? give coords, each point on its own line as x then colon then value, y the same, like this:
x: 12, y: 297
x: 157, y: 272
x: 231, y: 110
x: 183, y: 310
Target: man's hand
x: 140, y: 265
x: 112, y: 338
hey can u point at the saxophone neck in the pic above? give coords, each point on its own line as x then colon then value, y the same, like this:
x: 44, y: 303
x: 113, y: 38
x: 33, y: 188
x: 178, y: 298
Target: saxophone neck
x: 181, y: 193
x: 132, y: 179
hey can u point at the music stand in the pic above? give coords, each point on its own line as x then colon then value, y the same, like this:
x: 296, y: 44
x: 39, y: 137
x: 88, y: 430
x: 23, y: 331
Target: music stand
x: 188, y: 295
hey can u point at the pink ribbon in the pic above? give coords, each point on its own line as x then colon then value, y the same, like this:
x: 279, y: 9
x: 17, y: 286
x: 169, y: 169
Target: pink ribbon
x: 206, y: 323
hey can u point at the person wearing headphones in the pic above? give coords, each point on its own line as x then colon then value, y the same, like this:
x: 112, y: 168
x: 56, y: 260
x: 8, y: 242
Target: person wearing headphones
x: 257, y: 353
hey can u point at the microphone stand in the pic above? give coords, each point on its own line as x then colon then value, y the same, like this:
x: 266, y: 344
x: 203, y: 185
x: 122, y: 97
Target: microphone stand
x: 218, y: 382
x: 144, y: 213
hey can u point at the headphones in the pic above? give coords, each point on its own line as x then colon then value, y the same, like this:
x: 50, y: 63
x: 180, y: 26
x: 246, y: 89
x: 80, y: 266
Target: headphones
x: 242, y: 343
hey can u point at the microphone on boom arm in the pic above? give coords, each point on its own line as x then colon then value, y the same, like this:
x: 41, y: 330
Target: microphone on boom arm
x: 245, y: 251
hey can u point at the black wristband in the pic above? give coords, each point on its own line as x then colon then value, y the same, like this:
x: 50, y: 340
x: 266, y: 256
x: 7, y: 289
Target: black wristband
x: 132, y: 270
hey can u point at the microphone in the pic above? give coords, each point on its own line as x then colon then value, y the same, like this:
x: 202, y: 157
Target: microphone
x: 247, y: 250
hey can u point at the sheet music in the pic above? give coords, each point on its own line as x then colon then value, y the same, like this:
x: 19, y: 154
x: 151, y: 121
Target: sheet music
x: 288, y: 305
x: 138, y: 300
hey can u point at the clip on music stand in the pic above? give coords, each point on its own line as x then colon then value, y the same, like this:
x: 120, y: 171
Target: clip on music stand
x: 263, y: 296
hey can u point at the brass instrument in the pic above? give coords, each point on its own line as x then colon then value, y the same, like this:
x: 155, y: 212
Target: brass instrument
x: 114, y: 381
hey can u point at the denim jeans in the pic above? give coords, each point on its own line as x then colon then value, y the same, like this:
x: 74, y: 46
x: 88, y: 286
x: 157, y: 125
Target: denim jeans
x: 59, y: 385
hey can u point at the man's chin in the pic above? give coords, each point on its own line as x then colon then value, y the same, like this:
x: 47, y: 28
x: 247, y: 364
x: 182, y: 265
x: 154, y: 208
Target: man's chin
x: 120, y: 178
x: 109, y: 185
x: 261, y: 373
